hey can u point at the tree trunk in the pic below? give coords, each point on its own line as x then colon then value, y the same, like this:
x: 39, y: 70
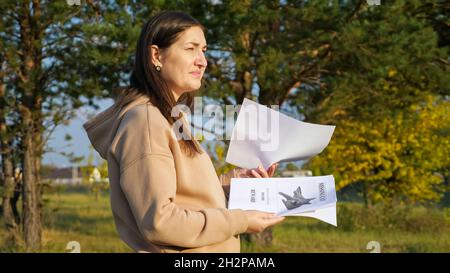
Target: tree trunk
x: 262, y: 239
x: 31, y: 212
x: 365, y: 197
x: 9, y: 185
x: 37, y: 141
x: 30, y: 85
x: 15, y: 199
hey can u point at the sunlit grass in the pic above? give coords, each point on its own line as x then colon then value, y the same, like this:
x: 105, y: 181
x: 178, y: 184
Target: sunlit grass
x: 405, y: 229
x: 78, y: 216
x: 295, y: 236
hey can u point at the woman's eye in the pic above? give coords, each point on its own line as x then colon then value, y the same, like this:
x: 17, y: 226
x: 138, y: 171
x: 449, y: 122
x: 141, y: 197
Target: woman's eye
x: 191, y: 48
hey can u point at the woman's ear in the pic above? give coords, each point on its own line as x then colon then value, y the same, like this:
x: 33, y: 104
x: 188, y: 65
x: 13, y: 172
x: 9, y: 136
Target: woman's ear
x: 155, y: 55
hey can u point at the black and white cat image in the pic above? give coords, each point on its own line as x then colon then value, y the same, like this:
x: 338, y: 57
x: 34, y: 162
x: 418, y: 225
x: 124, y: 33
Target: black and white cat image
x: 295, y: 201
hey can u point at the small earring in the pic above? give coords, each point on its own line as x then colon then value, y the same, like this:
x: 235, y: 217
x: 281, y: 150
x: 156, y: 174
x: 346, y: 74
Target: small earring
x: 158, y: 68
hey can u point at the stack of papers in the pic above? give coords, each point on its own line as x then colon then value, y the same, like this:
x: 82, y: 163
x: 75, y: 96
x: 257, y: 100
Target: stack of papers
x: 263, y: 136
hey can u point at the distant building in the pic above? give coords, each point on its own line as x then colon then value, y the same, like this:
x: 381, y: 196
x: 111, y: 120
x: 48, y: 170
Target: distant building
x: 69, y: 176
x: 296, y: 173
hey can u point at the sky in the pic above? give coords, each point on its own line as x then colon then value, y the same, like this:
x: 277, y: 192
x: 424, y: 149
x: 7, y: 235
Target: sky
x: 79, y: 144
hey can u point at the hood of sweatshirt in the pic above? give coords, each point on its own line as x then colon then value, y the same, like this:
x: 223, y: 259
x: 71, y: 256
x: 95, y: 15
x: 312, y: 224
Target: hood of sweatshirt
x: 102, y: 128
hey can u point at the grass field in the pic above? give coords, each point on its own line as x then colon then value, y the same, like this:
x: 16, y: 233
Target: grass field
x: 78, y: 216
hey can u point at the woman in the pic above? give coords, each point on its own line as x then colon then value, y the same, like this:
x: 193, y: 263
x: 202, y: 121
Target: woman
x: 165, y: 193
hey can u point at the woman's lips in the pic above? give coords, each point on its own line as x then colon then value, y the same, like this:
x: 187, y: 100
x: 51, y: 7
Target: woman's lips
x: 196, y: 74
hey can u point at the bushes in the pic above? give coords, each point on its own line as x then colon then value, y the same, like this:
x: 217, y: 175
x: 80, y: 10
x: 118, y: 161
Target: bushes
x: 353, y: 217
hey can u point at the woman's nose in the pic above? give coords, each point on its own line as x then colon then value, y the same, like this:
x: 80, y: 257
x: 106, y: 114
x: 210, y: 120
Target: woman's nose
x: 201, y: 59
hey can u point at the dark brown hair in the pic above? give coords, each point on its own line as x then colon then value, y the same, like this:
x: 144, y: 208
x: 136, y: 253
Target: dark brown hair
x: 161, y: 30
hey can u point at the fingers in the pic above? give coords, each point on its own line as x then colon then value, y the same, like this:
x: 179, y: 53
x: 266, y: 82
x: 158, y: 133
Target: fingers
x: 270, y: 216
x: 242, y: 173
x: 262, y: 172
x: 263, y: 214
x: 255, y: 173
x: 272, y: 169
x: 275, y: 220
x: 260, y: 220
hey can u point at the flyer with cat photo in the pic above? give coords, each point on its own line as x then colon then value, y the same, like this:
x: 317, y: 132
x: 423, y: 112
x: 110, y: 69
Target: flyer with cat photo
x: 311, y: 196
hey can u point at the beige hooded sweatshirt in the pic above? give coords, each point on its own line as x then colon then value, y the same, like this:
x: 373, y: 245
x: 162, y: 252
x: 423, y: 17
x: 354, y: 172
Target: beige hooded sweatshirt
x: 161, y: 199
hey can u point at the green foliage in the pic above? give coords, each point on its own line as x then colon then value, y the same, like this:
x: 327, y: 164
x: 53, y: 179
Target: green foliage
x: 353, y: 217
x: 380, y: 73
x: 383, y: 61
x: 291, y: 167
x: 217, y: 151
x: 95, y: 177
x: 402, y: 158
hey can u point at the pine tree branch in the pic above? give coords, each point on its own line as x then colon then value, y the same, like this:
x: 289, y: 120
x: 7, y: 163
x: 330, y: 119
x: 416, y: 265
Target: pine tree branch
x: 355, y: 11
x: 290, y: 90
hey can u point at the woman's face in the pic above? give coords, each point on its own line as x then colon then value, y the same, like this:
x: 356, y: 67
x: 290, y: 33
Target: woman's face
x: 183, y: 63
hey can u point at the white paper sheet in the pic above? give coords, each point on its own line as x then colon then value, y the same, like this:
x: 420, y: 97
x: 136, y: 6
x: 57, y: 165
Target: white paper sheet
x: 263, y: 136
x: 313, y: 196
x: 328, y: 215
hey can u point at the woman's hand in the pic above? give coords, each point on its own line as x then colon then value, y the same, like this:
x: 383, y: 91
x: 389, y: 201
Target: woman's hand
x: 259, y: 220
x: 259, y: 172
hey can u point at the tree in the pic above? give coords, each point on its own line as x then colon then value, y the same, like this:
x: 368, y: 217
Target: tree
x: 9, y: 183
x: 335, y: 62
x: 50, y: 53
x: 390, y: 73
x: 267, y: 51
x: 400, y: 159
x: 382, y: 62
x: 56, y: 58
